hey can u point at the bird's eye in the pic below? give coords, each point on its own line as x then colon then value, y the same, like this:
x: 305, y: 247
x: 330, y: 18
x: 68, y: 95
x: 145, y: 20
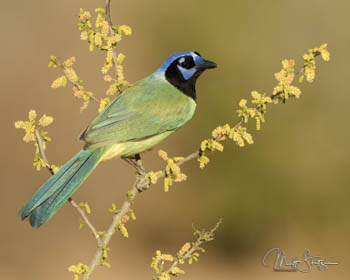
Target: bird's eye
x: 186, y: 62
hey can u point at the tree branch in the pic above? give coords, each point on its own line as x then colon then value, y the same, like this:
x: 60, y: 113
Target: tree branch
x: 203, y: 236
x: 144, y: 183
x: 117, y: 219
x: 77, y: 85
x: 42, y: 151
x: 87, y: 221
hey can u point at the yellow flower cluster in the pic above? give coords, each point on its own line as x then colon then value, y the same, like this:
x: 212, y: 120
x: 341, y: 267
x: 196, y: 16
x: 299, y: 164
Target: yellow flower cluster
x: 114, y: 209
x: 310, y: 63
x: 221, y: 132
x: 104, y: 257
x: 30, y: 128
x: 238, y: 134
x: 189, y: 252
x: 245, y: 112
x: 105, y: 37
x: 203, y: 160
x: 123, y: 230
x: 185, y: 248
x: 177, y: 271
x: 103, y: 103
x: 285, y: 77
x: 210, y: 145
x: 281, y: 92
x: 132, y: 214
x: 260, y: 101
x: 78, y: 270
x: 85, y: 206
x: 153, y: 176
x: 81, y: 94
x: 172, y: 170
x: 59, y: 82
x: 157, y: 261
x: 71, y: 75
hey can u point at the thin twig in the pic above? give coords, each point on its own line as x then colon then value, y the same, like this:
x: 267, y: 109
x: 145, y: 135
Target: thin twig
x: 203, y: 236
x: 72, y: 202
x: 112, y: 33
x: 42, y: 151
x: 87, y: 221
x: 77, y: 85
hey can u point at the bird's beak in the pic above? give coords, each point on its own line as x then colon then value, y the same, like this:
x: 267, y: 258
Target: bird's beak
x: 207, y: 64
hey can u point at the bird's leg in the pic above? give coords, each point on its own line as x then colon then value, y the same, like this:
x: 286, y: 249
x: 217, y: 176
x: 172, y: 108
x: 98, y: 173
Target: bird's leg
x: 137, y: 164
x: 133, y: 164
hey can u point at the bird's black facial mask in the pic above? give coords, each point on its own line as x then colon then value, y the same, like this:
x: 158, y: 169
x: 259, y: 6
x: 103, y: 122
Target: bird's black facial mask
x: 184, y: 71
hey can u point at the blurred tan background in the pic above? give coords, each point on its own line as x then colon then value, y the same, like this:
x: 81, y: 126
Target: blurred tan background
x: 289, y: 190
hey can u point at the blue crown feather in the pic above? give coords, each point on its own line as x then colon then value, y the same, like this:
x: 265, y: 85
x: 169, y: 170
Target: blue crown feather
x: 198, y: 60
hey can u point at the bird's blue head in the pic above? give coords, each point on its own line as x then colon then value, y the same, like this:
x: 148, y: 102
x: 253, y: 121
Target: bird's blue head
x: 183, y: 69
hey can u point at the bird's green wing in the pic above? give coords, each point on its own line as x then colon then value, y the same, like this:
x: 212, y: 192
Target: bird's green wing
x: 150, y: 107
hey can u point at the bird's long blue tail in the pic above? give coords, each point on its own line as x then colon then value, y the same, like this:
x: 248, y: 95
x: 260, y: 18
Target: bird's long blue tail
x: 54, y: 193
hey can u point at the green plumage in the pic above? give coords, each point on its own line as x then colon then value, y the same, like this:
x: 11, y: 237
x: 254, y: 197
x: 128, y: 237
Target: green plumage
x: 140, y: 112
x: 54, y: 193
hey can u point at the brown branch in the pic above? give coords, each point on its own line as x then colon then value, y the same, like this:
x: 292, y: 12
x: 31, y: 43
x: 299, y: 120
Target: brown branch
x: 72, y: 202
x: 42, y: 151
x: 87, y: 221
x: 78, y: 86
x: 96, y: 261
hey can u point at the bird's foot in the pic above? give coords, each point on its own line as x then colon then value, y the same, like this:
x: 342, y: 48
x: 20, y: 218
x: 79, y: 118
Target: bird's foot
x: 142, y: 173
x: 141, y: 187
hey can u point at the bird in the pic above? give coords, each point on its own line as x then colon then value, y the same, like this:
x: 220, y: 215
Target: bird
x: 136, y: 120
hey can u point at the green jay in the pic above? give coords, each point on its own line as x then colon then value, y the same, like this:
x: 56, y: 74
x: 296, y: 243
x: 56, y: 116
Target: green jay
x: 134, y: 122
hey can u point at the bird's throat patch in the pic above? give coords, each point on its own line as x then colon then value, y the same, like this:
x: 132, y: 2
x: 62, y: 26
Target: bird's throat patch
x: 186, y: 84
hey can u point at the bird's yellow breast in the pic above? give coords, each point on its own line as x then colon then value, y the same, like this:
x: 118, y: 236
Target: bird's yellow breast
x: 131, y: 148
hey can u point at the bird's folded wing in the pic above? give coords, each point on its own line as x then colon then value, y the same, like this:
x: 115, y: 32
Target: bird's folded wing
x: 138, y: 113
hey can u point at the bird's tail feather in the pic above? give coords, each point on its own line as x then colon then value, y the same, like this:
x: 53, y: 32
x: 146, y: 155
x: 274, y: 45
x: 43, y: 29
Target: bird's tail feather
x: 53, y: 194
